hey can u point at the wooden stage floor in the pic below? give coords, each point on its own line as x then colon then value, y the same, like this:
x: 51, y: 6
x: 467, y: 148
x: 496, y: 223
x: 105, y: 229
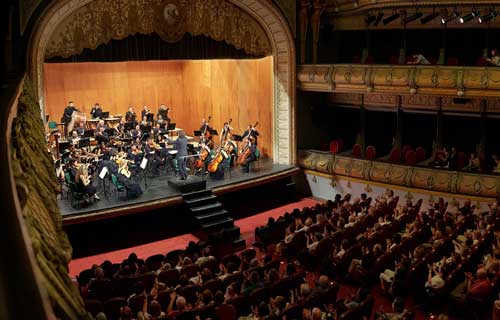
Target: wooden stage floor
x: 159, y: 194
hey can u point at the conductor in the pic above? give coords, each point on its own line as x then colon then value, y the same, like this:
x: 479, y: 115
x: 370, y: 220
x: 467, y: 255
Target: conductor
x: 181, y: 147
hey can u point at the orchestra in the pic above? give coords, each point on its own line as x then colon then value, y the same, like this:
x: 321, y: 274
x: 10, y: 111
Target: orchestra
x: 121, y: 145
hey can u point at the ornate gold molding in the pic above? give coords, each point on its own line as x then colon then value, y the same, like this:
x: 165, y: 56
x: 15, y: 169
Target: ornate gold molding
x: 463, y: 82
x: 100, y: 21
x: 475, y: 184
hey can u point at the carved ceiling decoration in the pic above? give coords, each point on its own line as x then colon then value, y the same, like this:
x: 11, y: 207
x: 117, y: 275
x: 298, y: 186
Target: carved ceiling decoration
x: 100, y: 21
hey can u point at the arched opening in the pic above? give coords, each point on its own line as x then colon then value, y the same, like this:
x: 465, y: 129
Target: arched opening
x: 267, y: 16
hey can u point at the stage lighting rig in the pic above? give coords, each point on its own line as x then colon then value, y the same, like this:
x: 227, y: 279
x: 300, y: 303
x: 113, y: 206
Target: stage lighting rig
x: 469, y: 17
x: 391, y: 18
x: 451, y: 17
x: 379, y: 18
x: 413, y: 17
x: 429, y: 17
x: 487, y: 17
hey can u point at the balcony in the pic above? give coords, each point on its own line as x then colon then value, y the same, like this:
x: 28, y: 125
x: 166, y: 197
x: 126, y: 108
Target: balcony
x: 441, y: 180
x: 450, y: 81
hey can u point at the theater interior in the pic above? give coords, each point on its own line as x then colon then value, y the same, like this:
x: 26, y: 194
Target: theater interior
x: 250, y: 159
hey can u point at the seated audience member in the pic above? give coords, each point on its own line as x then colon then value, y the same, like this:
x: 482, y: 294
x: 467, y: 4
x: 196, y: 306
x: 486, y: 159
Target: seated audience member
x: 398, y: 311
x: 474, y: 163
x: 435, y: 279
x: 495, y: 58
x: 496, y: 164
x: 418, y: 59
x: 478, y: 289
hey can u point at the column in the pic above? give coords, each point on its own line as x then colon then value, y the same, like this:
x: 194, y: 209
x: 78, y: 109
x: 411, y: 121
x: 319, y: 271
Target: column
x: 398, y: 138
x: 304, y: 24
x: 362, y: 126
x: 318, y: 7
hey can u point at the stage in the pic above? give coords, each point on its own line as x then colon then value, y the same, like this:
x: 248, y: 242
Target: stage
x: 160, y: 194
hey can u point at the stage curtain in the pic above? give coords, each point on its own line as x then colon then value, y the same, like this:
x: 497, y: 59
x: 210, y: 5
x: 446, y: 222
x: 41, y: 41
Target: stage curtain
x: 194, y: 89
x: 140, y: 47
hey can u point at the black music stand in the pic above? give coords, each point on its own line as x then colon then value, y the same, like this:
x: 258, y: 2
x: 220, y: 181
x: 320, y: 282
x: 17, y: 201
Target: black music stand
x: 213, y: 132
x: 171, y: 126
x: 84, y: 142
x: 105, y: 115
x: 197, y: 133
x: 89, y: 133
x: 129, y: 126
x: 63, y: 145
x: 237, y: 137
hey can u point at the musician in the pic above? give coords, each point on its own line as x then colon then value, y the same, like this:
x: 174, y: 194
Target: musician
x: 68, y: 112
x: 181, y: 147
x: 84, y: 183
x: 75, y: 138
x: 232, y: 149
x: 102, y: 135
x: 145, y: 122
x: 162, y: 122
x: 252, y: 146
x: 124, y: 177
x: 130, y: 115
x: 251, y: 131
x: 225, y: 132
x: 151, y: 150
x: 145, y: 112
x: 157, y: 131
x: 136, y: 133
x: 80, y: 129
x: 219, y: 173
x: 163, y: 113
x: 204, y: 126
x: 205, y: 148
x: 103, y: 151
x: 101, y: 124
x: 96, y: 111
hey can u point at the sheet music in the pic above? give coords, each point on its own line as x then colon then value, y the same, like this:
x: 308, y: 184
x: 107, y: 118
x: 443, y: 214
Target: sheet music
x: 103, y: 173
x: 144, y: 162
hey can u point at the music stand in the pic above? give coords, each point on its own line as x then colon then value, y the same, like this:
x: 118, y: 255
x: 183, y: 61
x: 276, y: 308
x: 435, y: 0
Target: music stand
x: 105, y: 115
x: 129, y: 126
x: 110, y: 132
x: 171, y: 126
x: 197, y: 133
x: 237, y: 137
x: 163, y: 125
x: 84, y: 142
x: 213, y: 132
x: 63, y: 145
x: 89, y: 133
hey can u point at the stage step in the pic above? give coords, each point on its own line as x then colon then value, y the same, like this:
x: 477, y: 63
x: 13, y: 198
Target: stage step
x: 201, y: 200
x: 196, y: 194
x: 215, y: 215
x: 217, y: 225
x: 206, y: 208
x: 239, y: 244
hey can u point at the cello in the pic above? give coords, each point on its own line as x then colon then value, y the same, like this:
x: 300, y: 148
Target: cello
x: 203, y: 156
x: 245, y: 152
x: 216, y: 161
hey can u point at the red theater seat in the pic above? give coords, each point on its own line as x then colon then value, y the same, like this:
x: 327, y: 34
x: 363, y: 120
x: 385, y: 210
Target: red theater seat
x: 452, y: 61
x: 481, y: 61
x: 406, y: 148
x: 411, y: 158
x: 420, y: 153
x: 461, y: 160
x: 356, y: 150
x: 395, y: 155
x: 371, y: 153
x: 334, y: 146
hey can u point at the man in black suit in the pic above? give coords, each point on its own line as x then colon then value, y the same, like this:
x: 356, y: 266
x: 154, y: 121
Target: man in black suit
x: 181, y: 147
x: 96, y: 111
x: 130, y: 115
x: 251, y: 132
x: 68, y: 112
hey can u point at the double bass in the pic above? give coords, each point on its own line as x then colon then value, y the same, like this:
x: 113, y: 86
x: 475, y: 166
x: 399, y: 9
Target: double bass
x: 206, y: 134
x: 245, y: 152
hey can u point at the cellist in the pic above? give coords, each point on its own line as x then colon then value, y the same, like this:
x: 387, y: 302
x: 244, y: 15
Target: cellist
x: 249, y: 153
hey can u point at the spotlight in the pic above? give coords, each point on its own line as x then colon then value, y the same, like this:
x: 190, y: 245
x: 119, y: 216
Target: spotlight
x: 468, y: 17
x: 391, y: 18
x: 370, y: 18
x: 429, y: 18
x: 379, y: 17
x: 451, y: 17
x: 487, y: 17
x: 413, y: 17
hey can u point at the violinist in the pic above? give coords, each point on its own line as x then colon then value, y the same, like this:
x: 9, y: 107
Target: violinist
x: 96, y: 111
x: 145, y: 122
x: 130, y: 116
x: 84, y: 183
x: 124, y: 177
x: 162, y: 122
x: 136, y: 133
x: 250, y: 152
x: 152, y: 150
x: 103, y: 151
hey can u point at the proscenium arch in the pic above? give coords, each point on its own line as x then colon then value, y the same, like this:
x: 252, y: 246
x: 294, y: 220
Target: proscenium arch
x: 263, y: 11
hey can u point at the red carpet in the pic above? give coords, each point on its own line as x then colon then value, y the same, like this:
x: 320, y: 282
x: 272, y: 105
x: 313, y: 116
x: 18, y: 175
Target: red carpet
x: 247, y: 226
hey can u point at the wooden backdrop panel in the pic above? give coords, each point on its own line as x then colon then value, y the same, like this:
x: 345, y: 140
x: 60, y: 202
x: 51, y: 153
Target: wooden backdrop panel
x: 193, y: 89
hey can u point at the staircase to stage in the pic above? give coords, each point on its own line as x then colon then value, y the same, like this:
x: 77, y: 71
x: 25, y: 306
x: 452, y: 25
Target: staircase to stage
x: 214, y: 223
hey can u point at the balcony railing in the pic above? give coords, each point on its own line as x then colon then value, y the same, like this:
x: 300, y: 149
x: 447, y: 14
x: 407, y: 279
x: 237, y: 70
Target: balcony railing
x: 465, y: 183
x: 478, y: 82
